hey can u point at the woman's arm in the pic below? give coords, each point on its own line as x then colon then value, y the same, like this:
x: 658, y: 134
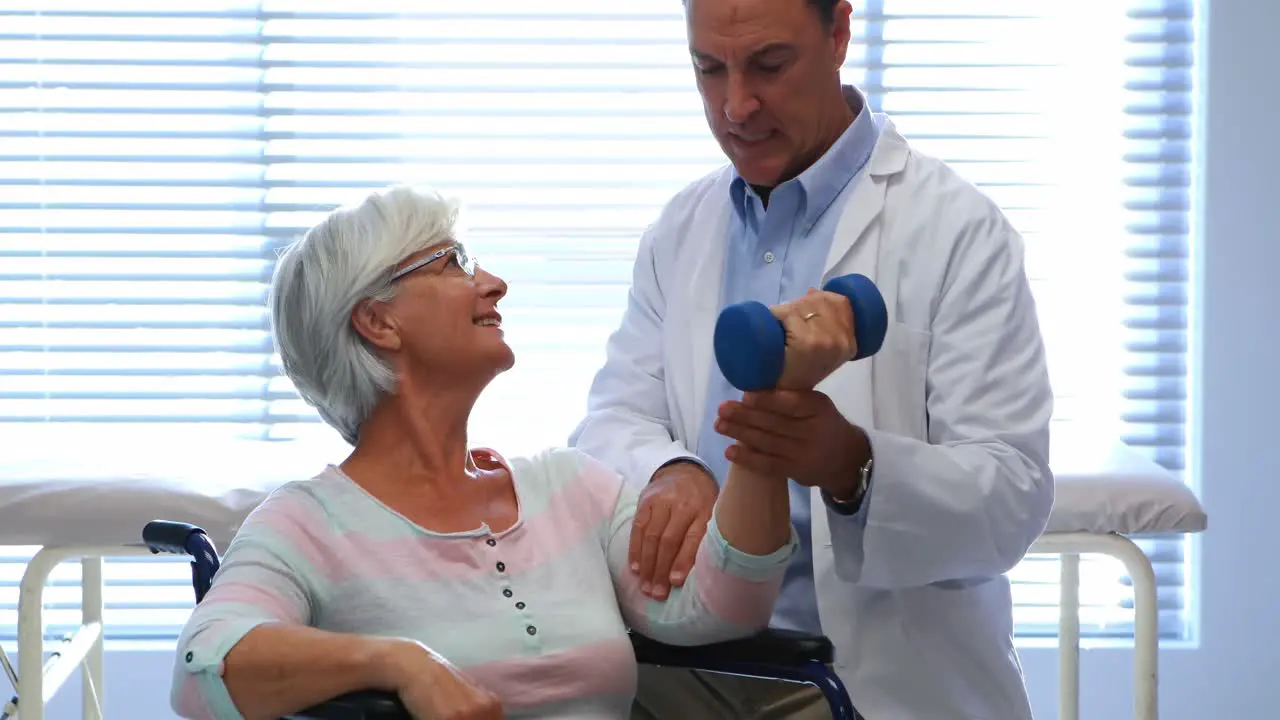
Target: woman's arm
x: 246, y: 650
x: 749, y: 541
x: 278, y: 669
x: 754, y: 511
x: 735, y: 580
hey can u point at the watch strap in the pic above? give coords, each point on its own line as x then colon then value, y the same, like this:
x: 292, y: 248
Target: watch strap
x: 850, y: 507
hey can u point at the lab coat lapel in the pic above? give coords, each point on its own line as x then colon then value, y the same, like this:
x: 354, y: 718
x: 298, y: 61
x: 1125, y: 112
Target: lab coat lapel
x: 866, y: 201
x: 856, y: 248
x: 849, y: 387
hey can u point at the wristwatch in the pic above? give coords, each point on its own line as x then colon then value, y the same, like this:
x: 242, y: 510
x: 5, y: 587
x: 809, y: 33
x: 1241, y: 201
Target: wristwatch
x: 849, y: 507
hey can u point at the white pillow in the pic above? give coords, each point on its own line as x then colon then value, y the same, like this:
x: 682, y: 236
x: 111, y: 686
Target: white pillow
x: 1104, y: 486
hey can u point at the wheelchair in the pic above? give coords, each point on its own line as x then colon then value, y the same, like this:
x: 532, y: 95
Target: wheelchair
x: 773, y: 654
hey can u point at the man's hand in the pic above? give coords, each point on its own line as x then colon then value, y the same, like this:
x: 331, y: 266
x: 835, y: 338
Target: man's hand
x: 819, y: 337
x: 671, y: 518
x: 798, y: 434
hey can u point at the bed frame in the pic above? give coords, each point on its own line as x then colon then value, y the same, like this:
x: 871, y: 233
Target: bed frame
x: 39, y: 679
x: 1069, y: 546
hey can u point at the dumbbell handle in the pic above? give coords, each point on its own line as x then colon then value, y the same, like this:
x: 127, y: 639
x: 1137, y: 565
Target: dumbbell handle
x: 750, y: 343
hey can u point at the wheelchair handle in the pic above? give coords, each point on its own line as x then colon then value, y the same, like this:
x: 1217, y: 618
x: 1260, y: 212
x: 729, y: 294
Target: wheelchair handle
x: 169, y: 537
x: 181, y: 538
x: 750, y: 344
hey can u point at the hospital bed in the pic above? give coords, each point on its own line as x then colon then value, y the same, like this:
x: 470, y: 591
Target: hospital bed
x: 85, y: 509
x: 1107, y: 496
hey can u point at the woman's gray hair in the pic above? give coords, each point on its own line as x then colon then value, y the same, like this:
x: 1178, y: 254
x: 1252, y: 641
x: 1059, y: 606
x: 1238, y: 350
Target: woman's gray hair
x: 318, y: 282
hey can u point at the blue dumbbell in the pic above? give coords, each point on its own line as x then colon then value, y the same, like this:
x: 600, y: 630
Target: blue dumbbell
x: 750, y: 344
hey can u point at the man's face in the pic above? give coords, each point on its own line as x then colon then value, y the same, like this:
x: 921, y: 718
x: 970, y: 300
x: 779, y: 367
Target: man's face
x: 766, y: 70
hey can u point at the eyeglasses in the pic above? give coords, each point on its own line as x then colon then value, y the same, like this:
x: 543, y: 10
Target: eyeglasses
x: 465, y: 261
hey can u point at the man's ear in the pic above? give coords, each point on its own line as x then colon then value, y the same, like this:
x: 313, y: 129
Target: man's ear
x: 842, y: 32
x: 373, y: 321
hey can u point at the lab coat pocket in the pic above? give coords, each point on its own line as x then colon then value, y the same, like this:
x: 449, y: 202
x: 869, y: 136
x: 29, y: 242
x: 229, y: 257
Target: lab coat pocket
x: 899, y: 382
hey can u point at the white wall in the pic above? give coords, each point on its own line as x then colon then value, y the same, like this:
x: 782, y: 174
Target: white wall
x: 1228, y: 676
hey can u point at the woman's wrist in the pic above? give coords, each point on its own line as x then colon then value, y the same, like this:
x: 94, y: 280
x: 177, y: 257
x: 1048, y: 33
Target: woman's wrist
x: 396, y: 662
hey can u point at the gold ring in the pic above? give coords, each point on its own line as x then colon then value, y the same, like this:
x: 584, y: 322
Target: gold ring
x: 810, y: 315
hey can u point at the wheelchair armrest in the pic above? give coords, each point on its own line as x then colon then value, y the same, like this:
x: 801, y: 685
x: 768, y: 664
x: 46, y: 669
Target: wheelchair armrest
x: 361, y: 705
x: 776, y: 648
x: 770, y: 647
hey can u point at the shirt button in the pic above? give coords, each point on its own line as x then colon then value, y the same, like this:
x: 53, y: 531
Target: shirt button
x: 520, y: 606
x: 501, y: 567
x: 531, y: 630
x: 506, y: 592
x: 768, y: 256
x: 491, y: 542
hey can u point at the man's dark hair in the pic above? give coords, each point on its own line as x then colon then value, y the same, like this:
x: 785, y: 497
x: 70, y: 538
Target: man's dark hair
x: 826, y: 10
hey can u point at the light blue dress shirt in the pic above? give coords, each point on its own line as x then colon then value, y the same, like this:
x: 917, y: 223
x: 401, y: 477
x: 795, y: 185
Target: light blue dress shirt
x: 773, y: 256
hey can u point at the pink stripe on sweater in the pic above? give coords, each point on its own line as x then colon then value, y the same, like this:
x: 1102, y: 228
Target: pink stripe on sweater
x: 573, y: 515
x: 191, y: 703
x: 745, y: 603
x: 606, y: 667
x: 253, y: 594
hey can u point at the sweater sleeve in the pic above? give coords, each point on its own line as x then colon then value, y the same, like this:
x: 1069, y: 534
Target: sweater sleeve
x: 263, y: 579
x: 728, y: 595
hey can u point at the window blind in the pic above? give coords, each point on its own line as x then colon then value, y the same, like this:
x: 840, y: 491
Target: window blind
x: 154, y: 157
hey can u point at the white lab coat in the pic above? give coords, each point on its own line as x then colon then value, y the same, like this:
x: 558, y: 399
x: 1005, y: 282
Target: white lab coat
x: 957, y: 405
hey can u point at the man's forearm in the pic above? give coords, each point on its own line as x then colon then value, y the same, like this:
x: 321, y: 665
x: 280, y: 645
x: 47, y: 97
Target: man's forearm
x: 631, y: 445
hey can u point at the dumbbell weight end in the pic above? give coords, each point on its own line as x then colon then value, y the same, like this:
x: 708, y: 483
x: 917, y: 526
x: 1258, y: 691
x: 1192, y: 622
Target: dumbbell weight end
x: 750, y: 344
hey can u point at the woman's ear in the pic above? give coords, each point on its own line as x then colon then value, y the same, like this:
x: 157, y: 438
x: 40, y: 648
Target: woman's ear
x: 373, y: 321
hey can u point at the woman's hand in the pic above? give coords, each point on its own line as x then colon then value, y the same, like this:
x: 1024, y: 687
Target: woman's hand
x: 431, y: 688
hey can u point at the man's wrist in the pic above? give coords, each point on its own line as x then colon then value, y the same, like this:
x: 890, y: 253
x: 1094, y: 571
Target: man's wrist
x: 676, y: 461
x: 851, y: 502
x: 847, y: 493
x: 673, y: 465
x: 847, y: 490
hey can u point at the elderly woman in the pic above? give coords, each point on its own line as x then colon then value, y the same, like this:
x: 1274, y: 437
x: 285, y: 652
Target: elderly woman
x: 470, y: 584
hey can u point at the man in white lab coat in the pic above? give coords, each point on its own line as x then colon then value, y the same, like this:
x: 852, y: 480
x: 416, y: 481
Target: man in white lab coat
x: 920, y: 476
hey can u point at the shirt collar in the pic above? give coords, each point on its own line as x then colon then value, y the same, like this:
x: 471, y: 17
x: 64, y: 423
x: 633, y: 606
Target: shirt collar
x: 822, y: 181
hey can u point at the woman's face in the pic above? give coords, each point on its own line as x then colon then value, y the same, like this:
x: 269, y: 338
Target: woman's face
x: 443, y: 321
